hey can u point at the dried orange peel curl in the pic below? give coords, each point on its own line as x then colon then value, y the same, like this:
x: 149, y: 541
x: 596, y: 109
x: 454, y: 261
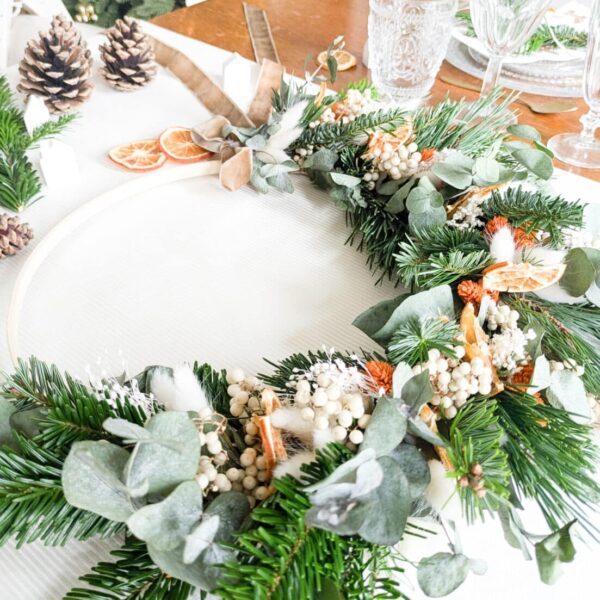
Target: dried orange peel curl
x: 428, y: 417
x: 272, y: 441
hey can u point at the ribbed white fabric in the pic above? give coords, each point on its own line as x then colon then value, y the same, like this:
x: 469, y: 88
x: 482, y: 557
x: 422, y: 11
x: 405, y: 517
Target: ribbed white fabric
x: 190, y: 272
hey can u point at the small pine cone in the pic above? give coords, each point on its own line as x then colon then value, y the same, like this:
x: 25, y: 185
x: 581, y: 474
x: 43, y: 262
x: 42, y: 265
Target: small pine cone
x: 524, y: 239
x: 381, y: 374
x: 470, y: 291
x: 523, y: 375
x: 127, y: 56
x: 57, y: 67
x: 14, y: 235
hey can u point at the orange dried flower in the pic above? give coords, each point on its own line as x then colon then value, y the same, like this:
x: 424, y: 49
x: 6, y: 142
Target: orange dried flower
x: 381, y: 374
x: 470, y: 291
x: 524, y: 239
x: 427, y: 153
x: 495, y: 224
x: 523, y: 376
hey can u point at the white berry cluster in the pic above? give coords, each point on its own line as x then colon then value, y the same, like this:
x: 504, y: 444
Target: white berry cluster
x: 396, y: 160
x: 300, y: 154
x: 333, y: 396
x: 455, y: 380
x: 245, y: 393
x: 508, y: 347
x: 569, y: 364
x: 355, y: 103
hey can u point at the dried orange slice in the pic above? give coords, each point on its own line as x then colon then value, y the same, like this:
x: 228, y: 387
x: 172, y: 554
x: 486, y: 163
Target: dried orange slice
x: 344, y: 59
x: 178, y: 145
x: 521, y: 277
x: 144, y: 155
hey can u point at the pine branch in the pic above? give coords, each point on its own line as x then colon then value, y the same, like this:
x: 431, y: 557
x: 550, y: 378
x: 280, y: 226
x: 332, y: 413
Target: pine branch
x: 32, y: 504
x: 559, y: 341
x: 19, y: 183
x: 535, y: 211
x: 334, y: 135
x: 133, y: 577
x: 415, y: 338
x: 215, y: 385
x: 552, y: 459
x: 280, y: 558
x: 476, y: 438
x: 285, y: 369
x: 441, y: 256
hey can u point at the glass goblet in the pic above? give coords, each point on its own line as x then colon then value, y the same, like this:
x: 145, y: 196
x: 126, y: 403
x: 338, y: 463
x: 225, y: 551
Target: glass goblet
x: 583, y: 149
x: 503, y: 26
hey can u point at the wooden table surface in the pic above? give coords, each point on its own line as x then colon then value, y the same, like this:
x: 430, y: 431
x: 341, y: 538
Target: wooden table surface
x: 308, y: 26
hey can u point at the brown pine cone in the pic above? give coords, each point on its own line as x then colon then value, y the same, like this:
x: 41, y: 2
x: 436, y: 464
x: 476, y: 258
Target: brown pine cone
x: 14, y: 235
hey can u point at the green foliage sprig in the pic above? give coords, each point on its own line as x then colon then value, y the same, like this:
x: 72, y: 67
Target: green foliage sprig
x: 535, y: 211
x: 19, y: 182
x: 133, y: 576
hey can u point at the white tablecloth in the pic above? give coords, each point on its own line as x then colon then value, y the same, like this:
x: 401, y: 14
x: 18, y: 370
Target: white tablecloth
x: 285, y: 283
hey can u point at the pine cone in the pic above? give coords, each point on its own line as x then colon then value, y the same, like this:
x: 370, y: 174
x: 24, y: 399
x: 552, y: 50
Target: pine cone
x: 127, y: 56
x: 57, y: 66
x: 14, y: 235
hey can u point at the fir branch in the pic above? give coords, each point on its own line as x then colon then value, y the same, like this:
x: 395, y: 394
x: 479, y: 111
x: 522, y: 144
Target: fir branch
x: 133, y: 577
x: 558, y: 341
x: 280, y: 558
x: 19, y: 182
x: 551, y: 458
x: 214, y: 383
x: 413, y: 340
x: 440, y: 256
x: 337, y: 135
x: 535, y: 211
x: 32, y: 504
x: 476, y: 438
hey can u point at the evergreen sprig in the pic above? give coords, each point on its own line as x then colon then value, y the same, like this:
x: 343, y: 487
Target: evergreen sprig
x: 476, y: 438
x: 19, y: 182
x: 280, y: 558
x: 32, y: 504
x: 535, y: 211
x: 552, y: 459
x: 413, y: 340
x: 134, y: 576
x: 337, y: 135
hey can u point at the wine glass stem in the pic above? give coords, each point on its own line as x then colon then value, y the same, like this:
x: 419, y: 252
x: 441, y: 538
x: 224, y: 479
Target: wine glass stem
x: 590, y: 122
x: 492, y: 74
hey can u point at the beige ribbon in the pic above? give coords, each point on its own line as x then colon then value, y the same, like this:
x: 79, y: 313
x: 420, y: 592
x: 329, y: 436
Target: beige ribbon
x: 236, y: 160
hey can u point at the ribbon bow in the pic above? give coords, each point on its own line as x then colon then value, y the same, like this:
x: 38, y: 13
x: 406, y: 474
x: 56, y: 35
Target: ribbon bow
x: 236, y: 160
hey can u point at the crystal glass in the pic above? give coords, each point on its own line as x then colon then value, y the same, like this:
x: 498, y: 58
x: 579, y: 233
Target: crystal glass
x: 583, y: 149
x: 503, y: 26
x: 408, y: 40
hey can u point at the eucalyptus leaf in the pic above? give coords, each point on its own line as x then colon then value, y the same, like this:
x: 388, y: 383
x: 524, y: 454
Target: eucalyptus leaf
x: 415, y: 468
x: 422, y: 200
x: 386, y: 523
x: 511, y: 526
x: 535, y: 161
x: 169, y: 457
x: 416, y: 392
x: 431, y: 303
x: 200, y: 538
x: 593, y: 294
x: 259, y: 182
x: 386, y: 428
x: 91, y: 479
x: 125, y: 429
x: 256, y: 142
x: 396, y: 203
x: 321, y: 160
x: 442, y: 573
x: 282, y: 182
x: 165, y: 525
x: 348, y: 523
x: 374, y: 318
x: 232, y: 508
x: 526, y: 132
x: 487, y: 169
x: 402, y: 373
x: 388, y: 187
x: 272, y: 169
x: 580, y: 271
x: 332, y: 66
x: 345, y: 472
x: 553, y: 550
x: 427, y: 220
x: 458, y: 176
x: 345, y: 180
x: 540, y: 378
x: 417, y: 427
x: 27, y: 422
x: 567, y: 391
